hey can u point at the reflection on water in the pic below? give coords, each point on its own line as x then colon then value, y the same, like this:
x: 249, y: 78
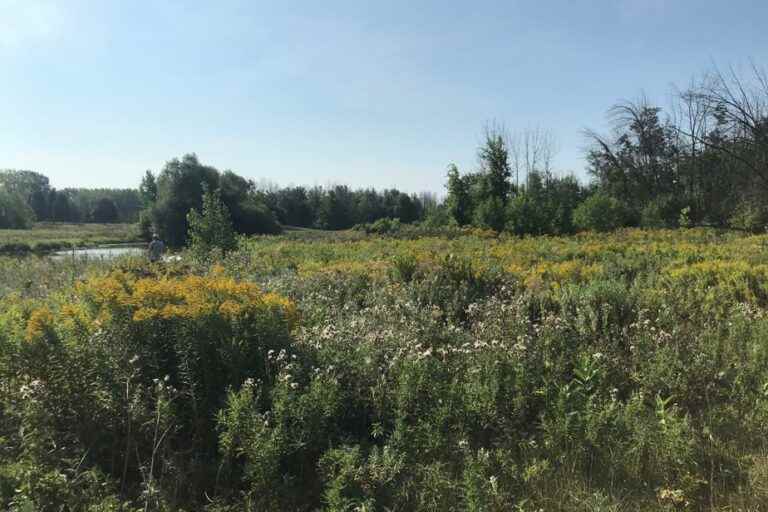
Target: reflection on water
x: 100, y: 252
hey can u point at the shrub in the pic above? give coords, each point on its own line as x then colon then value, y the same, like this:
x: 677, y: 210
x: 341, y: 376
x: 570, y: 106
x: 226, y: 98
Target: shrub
x: 211, y: 229
x: 750, y: 216
x: 490, y: 214
x: 599, y: 213
x: 132, y: 372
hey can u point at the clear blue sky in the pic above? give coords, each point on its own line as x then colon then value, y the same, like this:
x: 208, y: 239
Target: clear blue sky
x: 379, y: 94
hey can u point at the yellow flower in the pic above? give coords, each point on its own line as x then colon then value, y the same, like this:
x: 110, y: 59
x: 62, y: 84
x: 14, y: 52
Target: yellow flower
x: 40, y: 324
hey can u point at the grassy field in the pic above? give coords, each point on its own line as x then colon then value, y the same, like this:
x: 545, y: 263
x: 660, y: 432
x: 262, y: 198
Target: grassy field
x: 338, y: 371
x: 47, y: 236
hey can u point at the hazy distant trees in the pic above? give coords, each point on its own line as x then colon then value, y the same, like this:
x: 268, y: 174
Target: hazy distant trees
x: 67, y: 205
x: 32, y: 187
x: 15, y: 213
x: 340, y: 207
x: 105, y: 211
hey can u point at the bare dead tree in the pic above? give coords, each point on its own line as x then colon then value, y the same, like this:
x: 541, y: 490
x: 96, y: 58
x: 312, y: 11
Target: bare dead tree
x: 737, y: 104
x: 532, y: 150
x: 692, y: 120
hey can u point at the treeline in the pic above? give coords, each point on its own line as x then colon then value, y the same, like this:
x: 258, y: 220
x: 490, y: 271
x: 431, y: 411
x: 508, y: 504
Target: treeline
x: 340, y: 207
x: 703, y: 161
x: 27, y: 196
x: 179, y: 188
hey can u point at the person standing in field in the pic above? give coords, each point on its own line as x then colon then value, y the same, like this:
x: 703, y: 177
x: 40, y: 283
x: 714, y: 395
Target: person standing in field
x: 156, y: 249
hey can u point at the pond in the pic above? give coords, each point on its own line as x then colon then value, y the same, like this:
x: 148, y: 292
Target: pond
x: 104, y: 253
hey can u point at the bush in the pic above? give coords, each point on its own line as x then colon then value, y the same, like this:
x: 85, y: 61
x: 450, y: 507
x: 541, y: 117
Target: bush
x: 490, y: 214
x: 750, y: 216
x: 131, y: 371
x: 599, y: 213
x: 662, y: 212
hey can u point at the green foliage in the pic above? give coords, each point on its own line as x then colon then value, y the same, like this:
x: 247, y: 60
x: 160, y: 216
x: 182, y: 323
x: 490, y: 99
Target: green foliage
x: 148, y: 189
x: 494, y: 162
x: 68, y: 205
x: 211, y: 229
x: 458, y: 201
x: 32, y: 187
x: 750, y: 216
x: 14, y: 212
x: 490, y: 214
x: 662, y: 212
x: 476, y: 371
x: 599, y: 213
x: 105, y: 211
x: 180, y: 188
x: 526, y: 216
x: 383, y: 226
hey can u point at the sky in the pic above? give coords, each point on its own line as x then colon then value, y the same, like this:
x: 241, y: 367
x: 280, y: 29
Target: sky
x: 368, y: 94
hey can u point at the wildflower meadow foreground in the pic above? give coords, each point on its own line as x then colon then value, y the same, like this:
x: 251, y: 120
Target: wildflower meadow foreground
x: 461, y: 371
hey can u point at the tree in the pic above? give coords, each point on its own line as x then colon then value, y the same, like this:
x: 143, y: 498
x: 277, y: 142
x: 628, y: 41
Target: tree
x: 335, y: 209
x: 490, y: 214
x: 640, y: 163
x: 211, y: 229
x: 407, y: 209
x: 32, y: 187
x: 105, y: 211
x: 14, y: 211
x: 62, y: 209
x: 148, y: 189
x: 494, y: 165
x: 180, y: 189
x: 458, y: 200
x: 531, y: 150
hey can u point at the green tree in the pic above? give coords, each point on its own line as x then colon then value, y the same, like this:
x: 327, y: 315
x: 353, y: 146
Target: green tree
x: 62, y: 209
x: 14, y: 211
x: 494, y: 165
x: 490, y: 214
x: 32, y: 187
x: 459, y: 201
x: 211, y: 229
x: 640, y: 164
x: 180, y: 189
x: 148, y: 189
x: 105, y: 211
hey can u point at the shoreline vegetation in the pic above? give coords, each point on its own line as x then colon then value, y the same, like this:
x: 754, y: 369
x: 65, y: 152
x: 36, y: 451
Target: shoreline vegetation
x: 48, y: 237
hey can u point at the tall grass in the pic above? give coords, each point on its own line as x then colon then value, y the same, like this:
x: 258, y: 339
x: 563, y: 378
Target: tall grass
x: 599, y: 372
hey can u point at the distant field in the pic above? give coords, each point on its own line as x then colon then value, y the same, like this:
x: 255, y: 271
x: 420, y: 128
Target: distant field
x: 46, y: 236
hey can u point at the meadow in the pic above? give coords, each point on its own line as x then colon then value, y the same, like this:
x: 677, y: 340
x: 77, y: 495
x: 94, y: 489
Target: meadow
x: 53, y: 236
x: 455, y: 371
